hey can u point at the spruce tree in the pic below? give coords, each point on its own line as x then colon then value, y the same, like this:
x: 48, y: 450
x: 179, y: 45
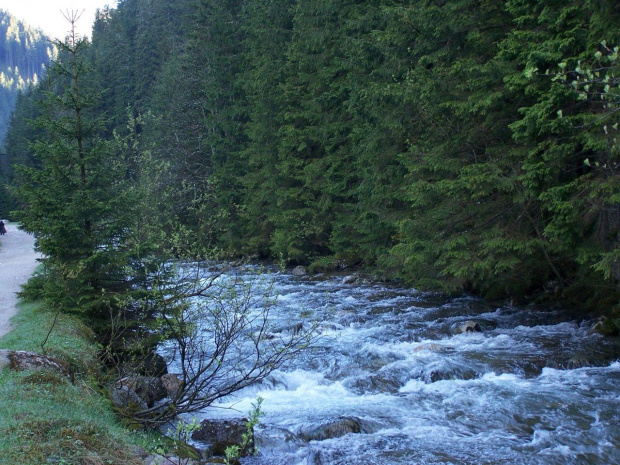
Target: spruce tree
x: 74, y: 198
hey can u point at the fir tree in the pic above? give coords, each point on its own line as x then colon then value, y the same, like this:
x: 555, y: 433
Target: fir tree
x: 74, y: 200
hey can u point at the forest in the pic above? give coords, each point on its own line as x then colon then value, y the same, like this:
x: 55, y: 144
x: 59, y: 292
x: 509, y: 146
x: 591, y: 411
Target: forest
x: 466, y: 145
x: 24, y: 54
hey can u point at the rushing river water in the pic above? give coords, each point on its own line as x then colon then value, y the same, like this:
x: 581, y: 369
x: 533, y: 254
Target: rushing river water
x: 532, y: 386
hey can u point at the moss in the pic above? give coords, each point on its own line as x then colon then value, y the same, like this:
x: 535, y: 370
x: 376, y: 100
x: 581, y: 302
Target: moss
x: 49, y: 378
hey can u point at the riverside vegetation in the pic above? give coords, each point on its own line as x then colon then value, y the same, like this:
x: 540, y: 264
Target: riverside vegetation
x: 464, y: 145
x: 45, y: 416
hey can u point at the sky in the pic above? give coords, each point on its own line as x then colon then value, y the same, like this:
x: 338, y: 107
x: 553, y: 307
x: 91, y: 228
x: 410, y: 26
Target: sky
x: 47, y: 14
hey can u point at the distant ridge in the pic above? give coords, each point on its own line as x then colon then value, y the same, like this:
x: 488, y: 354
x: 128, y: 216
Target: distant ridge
x: 24, y: 54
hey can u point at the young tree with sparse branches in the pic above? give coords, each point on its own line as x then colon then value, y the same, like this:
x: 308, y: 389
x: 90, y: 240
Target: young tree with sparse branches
x: 218, y: 338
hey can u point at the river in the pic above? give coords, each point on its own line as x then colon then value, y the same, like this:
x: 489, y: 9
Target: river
x: 530, y: 385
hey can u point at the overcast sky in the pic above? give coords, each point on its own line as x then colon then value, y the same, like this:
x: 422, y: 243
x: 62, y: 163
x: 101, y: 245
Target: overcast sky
x: 47, y: 14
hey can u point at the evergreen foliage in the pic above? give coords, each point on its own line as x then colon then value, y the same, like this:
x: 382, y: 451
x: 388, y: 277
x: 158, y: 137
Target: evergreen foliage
x: 79, y: 195
x: 24, y: 54
x: 469, y: 144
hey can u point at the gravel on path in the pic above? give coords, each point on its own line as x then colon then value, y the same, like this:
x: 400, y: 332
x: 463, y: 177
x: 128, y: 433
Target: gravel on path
x: 18, y: 261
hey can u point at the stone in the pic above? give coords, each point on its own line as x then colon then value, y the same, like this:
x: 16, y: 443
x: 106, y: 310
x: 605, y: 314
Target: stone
x: 220, y: 434
x: 293, y: 328
x: 165, y: 460
x: 172, y: 383
x: 330, y: 429
x: 150, y: 389
x: 20, y: 360
x: 139, y: 452
x: 468, y: 326
x: 430, y: 347
x: 125, y: 398
x: 153, y: 364
x: 299, y: 271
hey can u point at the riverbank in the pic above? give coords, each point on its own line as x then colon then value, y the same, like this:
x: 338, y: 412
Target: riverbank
x: 45, y: 417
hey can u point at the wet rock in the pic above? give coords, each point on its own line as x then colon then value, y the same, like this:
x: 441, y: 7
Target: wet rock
x: 431, y: 347
x: 171, y: 460
x: 316, y: 458
x: 125, y: 398
x: 172, y: 383
x: 220, y: 434
x: 299, y: 271
x: 139, y: 452
x: 150, y: 389
x: 442, y: 375
x: 153, y: 364
x: 20, y: 360
x: 379, y: 383
x: 293, y: 328
x: 330, y: 429
x: 577, y: 361
x: 274, y: 440
x: 468, y: 326
x: 331, y: 326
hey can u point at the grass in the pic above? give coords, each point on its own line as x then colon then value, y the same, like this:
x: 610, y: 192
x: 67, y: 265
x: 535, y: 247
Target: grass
x: 44, y: 418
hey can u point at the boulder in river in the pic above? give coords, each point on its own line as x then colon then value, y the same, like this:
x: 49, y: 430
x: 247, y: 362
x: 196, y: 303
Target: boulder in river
x: 299, y: 271
x: 351, y: 279
x: 293, y: 328
x: 431, y: 347
x: 330, y: 429
x: 468, y: 326
x: 220, y: 434
x: 172, y: 383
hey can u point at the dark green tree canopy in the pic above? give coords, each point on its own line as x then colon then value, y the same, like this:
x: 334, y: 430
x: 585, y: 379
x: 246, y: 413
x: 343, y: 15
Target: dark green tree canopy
x: 469, y: 144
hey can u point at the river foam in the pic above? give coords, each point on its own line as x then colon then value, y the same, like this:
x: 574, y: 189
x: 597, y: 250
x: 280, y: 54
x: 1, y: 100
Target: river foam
x: 532, y: 386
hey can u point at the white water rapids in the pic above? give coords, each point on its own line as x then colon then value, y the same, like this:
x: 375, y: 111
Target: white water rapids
x: 534, y: 386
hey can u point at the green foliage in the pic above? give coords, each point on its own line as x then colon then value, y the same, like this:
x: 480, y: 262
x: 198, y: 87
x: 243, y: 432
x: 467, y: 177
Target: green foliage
x: 247, y: 439
x: 43, y: 415
x: 85, y: 198
x: 180, y: 440
x: 469, y: 144
x: 24, y: 55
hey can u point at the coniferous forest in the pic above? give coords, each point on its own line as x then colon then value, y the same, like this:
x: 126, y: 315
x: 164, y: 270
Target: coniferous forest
x: 24, y: 54
x: 455, y: 145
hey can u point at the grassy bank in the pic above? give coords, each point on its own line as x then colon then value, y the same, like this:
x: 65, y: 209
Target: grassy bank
x: 44, y: 418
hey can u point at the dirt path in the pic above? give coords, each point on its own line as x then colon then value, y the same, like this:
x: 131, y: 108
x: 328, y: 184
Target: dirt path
x: 17, y: 263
